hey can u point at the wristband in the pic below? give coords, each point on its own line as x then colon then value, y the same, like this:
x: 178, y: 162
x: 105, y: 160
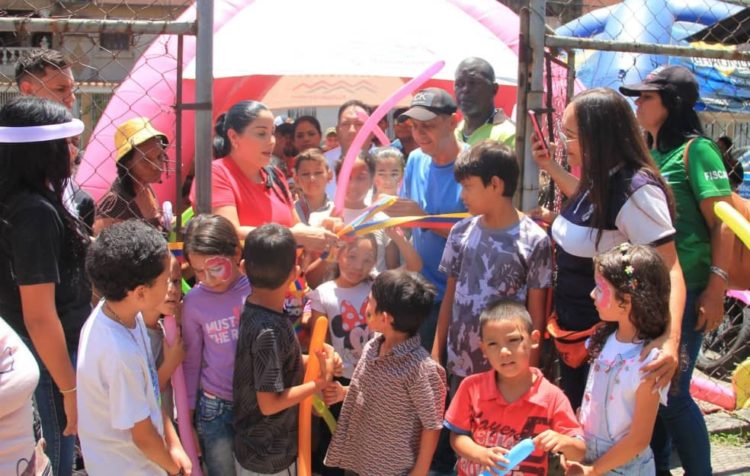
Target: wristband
x: 70, y: 390
x: 720, y: 273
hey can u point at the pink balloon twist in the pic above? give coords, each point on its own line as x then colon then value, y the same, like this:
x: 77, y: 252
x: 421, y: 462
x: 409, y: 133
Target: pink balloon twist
x: 181, y: 400
x: 370, y: 124
x: 378, y: 132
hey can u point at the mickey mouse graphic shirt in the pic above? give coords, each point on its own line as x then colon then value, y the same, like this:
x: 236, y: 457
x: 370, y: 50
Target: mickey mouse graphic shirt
x: 347, y: 326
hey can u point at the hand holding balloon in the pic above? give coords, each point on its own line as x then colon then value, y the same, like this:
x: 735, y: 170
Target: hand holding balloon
x: 513, y: 458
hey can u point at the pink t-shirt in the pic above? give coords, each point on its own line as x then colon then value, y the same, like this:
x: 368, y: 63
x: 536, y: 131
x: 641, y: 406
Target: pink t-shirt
x: 257, y: 203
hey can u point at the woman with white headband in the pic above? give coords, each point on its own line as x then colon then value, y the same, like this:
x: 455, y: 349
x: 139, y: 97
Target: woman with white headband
x: 44, y: 294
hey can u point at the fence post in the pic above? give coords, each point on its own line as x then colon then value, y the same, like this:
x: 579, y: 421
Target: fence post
x: 533, y: 89
x: 204, y: 100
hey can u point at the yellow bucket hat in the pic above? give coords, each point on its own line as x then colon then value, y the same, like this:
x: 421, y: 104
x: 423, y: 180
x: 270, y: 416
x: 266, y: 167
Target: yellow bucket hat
x: 132, y: 133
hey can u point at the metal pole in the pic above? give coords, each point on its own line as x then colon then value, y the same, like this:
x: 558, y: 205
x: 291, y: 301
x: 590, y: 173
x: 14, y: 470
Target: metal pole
x: 524, y: 56
x: 178, y: 141
x: 647, y: 48
x: 203, y: 98
x: 78, y: 25
x: 571, y: 77
x: 535, y: 93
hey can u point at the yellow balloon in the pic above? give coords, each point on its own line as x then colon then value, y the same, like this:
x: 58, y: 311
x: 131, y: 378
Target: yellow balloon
x: 734, y: 220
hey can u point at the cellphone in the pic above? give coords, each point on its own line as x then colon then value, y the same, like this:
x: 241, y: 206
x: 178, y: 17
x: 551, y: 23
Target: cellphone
x: 538, y: 129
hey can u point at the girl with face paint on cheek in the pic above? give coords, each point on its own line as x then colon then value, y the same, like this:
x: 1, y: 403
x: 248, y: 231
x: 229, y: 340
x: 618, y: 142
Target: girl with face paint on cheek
x: 210, y: 326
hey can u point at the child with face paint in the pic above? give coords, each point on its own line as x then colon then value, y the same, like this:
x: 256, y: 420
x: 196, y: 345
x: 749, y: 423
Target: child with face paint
x: 620, y: 404
x: 210, y: 325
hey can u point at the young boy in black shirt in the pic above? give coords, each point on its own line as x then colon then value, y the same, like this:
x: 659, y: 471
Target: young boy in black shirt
x: 269, y: 365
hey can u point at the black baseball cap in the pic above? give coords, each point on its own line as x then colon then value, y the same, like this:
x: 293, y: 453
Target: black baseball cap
x: 428, y: 104
x: 676, y: 79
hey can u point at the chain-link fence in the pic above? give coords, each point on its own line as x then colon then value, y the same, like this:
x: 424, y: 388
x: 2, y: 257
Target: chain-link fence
x: 120, y: 73
x: 610, y: 43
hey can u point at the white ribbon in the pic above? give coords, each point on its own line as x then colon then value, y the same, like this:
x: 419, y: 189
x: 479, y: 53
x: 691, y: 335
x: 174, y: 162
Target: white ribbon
x: 25, y: 134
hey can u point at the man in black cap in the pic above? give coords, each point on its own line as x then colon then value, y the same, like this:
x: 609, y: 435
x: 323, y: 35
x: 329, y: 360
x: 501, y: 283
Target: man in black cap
x: 429, y: 186
x: 475, y: 93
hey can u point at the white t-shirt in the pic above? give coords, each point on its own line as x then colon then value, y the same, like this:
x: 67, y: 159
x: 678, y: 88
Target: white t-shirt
x: 619, y: 395
x: 347, y: 326
x: 19, y: 375
x: 117, y: 387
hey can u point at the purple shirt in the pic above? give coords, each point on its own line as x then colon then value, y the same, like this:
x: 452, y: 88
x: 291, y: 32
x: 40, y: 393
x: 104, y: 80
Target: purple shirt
x: 210, y: 325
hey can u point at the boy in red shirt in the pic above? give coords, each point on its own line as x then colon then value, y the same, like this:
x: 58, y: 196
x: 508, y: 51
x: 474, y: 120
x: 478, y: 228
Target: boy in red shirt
x: 494, y: 410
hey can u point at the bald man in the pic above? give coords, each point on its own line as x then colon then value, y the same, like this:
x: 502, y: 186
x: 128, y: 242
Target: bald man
x: 475, y: 95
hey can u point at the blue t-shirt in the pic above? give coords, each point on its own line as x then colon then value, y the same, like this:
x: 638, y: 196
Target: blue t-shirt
x: 436, y: 191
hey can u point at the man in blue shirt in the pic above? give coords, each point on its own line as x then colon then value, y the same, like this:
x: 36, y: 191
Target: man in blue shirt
x: 429, y: 187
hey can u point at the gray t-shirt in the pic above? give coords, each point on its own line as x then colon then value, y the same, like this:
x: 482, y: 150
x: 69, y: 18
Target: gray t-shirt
x: 489, y: 265
x: 268, y: 359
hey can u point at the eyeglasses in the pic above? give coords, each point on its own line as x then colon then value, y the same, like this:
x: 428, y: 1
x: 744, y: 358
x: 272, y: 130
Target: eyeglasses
x: 563, y: 139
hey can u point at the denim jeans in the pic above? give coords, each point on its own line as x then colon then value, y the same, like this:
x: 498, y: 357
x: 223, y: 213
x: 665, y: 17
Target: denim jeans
x: 213, y: 421
x: 681, y: 422
x: 49, y: 405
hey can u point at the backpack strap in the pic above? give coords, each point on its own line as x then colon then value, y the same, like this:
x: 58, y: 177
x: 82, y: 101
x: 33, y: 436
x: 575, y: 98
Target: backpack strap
x: 686, y: 157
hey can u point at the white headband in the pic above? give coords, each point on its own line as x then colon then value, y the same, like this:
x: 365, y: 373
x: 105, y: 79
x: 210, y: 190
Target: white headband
x: 20, y: 135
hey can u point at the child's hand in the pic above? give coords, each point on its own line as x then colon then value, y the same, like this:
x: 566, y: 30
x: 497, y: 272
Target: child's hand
x: 551, y: 441
x: 334, y: 393
x: 395, y: 233
x: 324, y: 374
x: 181, y: 459
x: 493, y: 456
x: 543, y: 214
x: 175, y: 353
x: 578, y: 469
x: 337, y: 369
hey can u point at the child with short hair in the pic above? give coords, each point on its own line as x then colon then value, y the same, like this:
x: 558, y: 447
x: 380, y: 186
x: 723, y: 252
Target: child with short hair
x: 269, y: 366
x: 496, y: 254
x: 210, y: 326
x: 121, y: 424
x: 166, y: 357
x: 619, y: 406
x: 312, y: 174
x: 387, y: 165
x: 392, y: 412
x: 492, y: 411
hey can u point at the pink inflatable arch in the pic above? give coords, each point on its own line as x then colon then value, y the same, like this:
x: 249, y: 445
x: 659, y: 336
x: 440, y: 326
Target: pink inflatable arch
x: 150, y: 90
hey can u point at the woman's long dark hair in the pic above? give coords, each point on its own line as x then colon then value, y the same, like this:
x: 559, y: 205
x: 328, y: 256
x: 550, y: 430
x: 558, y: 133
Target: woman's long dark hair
x: 681, y: 125
x: 610, y: 137
x: 41, y: 168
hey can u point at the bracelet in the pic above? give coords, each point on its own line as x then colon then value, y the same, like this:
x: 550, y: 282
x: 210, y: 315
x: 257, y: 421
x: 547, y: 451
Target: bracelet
x: 719, y: 272
x: 70, y: 390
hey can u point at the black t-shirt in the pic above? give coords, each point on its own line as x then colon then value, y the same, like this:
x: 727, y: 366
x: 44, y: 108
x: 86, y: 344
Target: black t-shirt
x: 268, y: 359
x: 34, y: 250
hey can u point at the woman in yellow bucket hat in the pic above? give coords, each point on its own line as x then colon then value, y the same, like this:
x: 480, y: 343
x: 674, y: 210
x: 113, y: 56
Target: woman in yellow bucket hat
x: 140, y: 158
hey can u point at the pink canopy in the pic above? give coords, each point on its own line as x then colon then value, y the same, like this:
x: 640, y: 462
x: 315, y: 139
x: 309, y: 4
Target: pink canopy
x: 297, y: 53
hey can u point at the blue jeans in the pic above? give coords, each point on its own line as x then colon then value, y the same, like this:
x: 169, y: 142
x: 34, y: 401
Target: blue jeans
x: 49, y: 405
x: 681, y: 421
x: 213, y: 421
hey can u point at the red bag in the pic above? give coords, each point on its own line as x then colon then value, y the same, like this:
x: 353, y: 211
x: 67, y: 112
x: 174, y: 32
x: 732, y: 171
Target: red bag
x: 571, y: 345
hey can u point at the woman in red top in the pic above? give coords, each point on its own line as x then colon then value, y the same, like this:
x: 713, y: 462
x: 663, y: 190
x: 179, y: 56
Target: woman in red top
x: 245, y: 189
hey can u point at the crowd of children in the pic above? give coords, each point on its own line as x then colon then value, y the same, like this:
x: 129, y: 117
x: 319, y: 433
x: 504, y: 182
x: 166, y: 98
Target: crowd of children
x: 244, y: 363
